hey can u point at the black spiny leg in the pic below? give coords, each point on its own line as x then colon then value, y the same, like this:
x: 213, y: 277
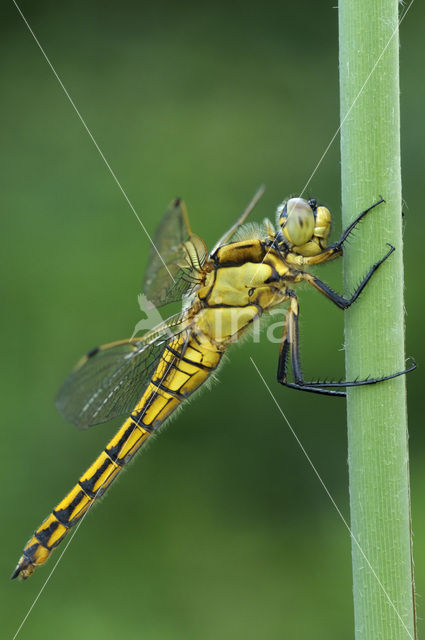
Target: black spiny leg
x: 336, y: 248
x: 356, y: 221
x: 283, y: 354
x: 340, y: 301
x: 290, y: 343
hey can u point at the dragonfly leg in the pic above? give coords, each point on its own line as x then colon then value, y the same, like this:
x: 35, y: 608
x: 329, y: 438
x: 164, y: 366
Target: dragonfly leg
x: 356, y: 221
x: 239, y: 222
x: 340, y: 301
x: 282, y: 364
x: 290, y: 344
x: 336, y: 248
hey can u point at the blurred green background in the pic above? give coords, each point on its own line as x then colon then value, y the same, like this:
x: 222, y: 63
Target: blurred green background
x: 221, y: 530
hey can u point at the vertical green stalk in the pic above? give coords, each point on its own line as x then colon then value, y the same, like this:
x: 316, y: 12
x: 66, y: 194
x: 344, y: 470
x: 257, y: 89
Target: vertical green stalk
x: 374, y: 330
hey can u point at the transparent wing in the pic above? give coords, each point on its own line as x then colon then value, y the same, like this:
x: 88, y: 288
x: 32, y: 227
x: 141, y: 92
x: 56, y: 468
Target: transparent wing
x: 239, y: 222
x: 175, y: 265
x: 110, y: 379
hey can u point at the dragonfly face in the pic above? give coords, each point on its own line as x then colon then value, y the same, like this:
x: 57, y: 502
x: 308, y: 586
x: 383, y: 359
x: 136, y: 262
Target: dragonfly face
x: 147, y: 378
x: 304, y: 226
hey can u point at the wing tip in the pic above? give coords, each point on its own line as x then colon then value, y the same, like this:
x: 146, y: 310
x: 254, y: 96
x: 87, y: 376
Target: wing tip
x: 92, y: 352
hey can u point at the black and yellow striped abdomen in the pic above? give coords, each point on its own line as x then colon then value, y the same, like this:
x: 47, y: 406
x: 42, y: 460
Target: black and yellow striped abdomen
x: 184, y: 366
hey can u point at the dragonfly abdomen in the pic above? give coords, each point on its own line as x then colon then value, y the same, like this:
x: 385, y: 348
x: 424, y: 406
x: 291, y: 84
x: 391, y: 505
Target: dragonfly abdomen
x: 92, y: 484
x: 183, y: 367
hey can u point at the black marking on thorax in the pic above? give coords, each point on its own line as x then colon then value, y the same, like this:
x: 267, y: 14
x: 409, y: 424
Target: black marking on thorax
x: 210, y: 288
x: 245, y: 246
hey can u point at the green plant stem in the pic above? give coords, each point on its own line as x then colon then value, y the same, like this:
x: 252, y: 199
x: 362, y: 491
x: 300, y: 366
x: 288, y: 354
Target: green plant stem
x: 374, y: 330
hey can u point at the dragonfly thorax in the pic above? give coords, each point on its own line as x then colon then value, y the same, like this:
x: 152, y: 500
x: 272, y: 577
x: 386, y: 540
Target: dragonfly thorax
x: 237, y: 285
x: 238, y: 291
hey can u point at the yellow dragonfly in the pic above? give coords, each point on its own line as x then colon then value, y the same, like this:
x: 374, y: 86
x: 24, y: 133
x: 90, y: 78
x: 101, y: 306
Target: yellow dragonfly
x: 224, y: 292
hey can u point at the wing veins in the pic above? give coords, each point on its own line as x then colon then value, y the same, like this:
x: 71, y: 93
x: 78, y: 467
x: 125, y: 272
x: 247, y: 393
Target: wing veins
x: 113, y: 378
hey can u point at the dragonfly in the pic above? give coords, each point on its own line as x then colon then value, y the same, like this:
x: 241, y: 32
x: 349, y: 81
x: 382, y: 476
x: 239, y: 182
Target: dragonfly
x: 250, y: 270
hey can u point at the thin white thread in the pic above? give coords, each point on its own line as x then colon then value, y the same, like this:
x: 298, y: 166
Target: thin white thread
x: 91, y: 137
x: 355, y: 99
x: 166, y: 372
x: 259, y: 373
x: 344, y: 119
x: 319, y: 477
x: 52, y: 571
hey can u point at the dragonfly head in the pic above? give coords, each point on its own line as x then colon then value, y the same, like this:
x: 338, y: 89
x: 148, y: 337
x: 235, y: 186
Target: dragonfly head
x: 304, y: 226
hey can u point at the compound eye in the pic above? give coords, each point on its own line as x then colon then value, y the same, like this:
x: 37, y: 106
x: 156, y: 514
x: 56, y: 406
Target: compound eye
x: 297, y: 221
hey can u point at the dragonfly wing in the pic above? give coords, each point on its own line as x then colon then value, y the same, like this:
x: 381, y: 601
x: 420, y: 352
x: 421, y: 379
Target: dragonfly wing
x: 110, y: 379
x: 225, y: 238
x: 176, y: 260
